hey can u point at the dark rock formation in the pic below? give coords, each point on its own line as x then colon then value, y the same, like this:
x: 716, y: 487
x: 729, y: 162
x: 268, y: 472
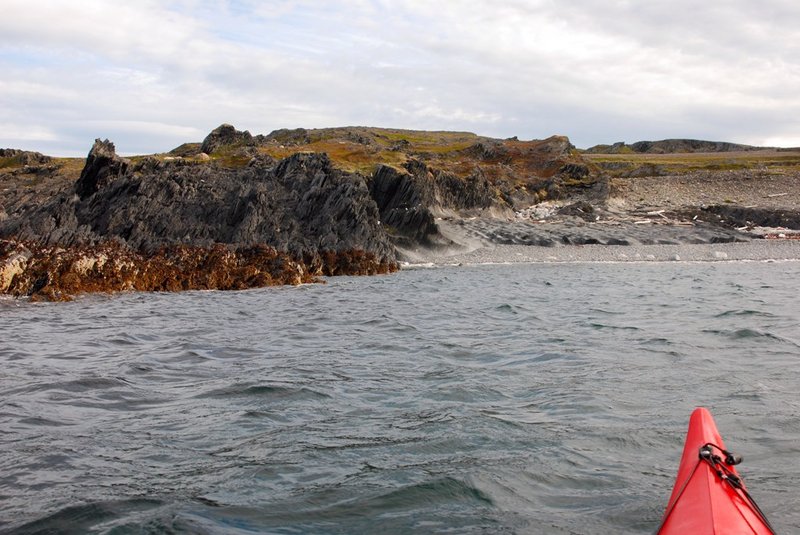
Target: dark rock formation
x: 669, y: 146
x: 102, y: 167
x: 223, y: 135
x: 403, y: 204
x: 302, y: 207
x: 742, y: 216
x: 408, y: 201
x: 22, y: 157
x: 56, y: 273
x: 488, y: 150
x: 574, y: 171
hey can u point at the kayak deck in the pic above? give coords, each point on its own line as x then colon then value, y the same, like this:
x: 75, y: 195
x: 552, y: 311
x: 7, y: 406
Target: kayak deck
x: 709, y: 496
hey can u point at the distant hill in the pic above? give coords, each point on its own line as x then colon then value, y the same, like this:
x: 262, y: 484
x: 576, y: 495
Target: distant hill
x: 670, y: 146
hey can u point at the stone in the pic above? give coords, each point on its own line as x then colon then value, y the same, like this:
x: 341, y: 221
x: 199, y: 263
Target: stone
x: 13, y: 261
x: 101, y: 168
x: 301, y: 206
x: 224, y: 135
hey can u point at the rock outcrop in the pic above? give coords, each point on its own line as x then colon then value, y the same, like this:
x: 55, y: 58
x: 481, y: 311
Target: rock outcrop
x: 22, y: 157
x: 223, y: 135
x: 743, y: 216
x: 410, y: 200
x: 351, y: 200
x: 57, y: 273
x: 669, y: 146
x: 102, y: 167
x: 302, y: 207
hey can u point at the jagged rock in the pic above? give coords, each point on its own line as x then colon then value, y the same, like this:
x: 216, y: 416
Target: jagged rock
x: 554, y: 147
x: 407, y: 201
x: 178, y: 224
x: 102, y: 167
x: 302, y: 206
x: 262, y: 161
x: 575, y: 171
x: 224, y: 135
x: 359, y: 138
x: 404, y: 204
x: 488, y: 151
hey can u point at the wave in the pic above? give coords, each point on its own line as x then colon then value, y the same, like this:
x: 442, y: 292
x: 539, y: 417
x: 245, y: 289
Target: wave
x: 264, y: 391
x: 744, y: 312
x: 79, y: 519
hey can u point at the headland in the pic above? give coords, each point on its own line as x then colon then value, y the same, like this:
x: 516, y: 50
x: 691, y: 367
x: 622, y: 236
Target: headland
x: 239, y: 210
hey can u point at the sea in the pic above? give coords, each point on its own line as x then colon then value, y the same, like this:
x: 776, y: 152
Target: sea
x: 538, y: 398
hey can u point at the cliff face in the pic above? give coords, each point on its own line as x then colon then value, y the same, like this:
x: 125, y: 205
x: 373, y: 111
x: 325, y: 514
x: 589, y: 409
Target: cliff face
x: 301, y: 205
x: 409, y: 200
x: 153, y: 212
x: 336, y: 201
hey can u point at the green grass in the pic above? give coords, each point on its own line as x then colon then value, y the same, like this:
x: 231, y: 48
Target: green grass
x: 9, y: 161
x: 768, y: 160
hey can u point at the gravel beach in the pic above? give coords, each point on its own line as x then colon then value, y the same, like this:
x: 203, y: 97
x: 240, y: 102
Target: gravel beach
x: 567, y: 239
x: 646, y: 219
x: 756, y: 250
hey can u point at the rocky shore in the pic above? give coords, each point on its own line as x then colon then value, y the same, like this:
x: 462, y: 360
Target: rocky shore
x: 239, y: 211
x: 756, y: 250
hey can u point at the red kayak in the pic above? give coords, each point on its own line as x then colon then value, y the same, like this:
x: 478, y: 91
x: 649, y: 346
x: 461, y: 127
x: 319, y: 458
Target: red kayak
x: 709, y: 497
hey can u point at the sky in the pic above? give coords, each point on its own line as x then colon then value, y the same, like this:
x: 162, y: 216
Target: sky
x: 150, y: 75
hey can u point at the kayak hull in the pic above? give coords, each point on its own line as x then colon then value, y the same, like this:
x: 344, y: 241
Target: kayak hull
x: 702, y: 502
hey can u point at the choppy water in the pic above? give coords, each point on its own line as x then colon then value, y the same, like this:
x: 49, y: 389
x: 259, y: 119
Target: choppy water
x: 493, y: 399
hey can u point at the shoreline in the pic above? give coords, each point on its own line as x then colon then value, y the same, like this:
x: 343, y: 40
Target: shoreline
x: 752, y: 251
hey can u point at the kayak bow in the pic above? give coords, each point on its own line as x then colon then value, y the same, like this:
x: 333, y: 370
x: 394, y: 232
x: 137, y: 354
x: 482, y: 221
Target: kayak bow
x: 709, y: 497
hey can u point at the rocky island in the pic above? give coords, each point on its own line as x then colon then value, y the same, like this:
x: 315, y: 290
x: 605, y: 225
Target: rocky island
x: 239, y: 211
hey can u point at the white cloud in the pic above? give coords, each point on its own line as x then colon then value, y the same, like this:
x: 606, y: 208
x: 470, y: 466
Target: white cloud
x: 10, y: 132
x: 779, y: 141
x: 144, y: 127
x: 155, y: 73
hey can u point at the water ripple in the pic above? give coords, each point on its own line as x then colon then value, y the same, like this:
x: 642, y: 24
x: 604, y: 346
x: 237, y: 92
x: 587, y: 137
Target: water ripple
x: 492, y: 399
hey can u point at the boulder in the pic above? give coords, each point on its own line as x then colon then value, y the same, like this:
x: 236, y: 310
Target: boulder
x: 224, y: 135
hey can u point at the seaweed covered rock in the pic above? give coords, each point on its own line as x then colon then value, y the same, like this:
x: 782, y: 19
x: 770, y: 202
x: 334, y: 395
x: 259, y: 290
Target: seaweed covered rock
x: 302, y: 207
x: 57, y: 273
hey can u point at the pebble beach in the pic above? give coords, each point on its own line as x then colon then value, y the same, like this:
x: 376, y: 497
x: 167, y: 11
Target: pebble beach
x: 756, y: 250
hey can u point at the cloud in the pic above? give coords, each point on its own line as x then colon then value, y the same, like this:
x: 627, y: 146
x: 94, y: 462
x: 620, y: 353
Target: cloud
x: 10, y: 131
x: 780, y: 141
x: 153, y: 73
